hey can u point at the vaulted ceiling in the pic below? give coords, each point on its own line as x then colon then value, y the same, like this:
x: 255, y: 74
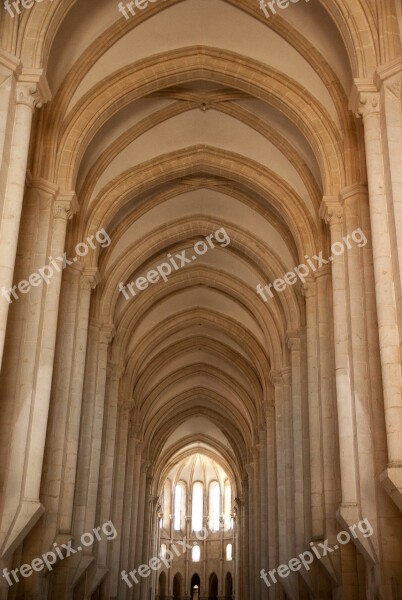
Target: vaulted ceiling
x: 188, y: 117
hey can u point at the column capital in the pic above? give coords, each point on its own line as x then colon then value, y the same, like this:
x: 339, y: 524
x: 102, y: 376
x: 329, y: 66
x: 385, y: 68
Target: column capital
x: 32, y: 88
x: 275, y: 378
x: 293, y: 341
x: 308, y: 288
x: 65, y: 205
x: 106, y: 333
x: 287, y: 375
x: 89, y: 279
x: 269, y: 411
x: 116, y: 372
x: 331, y: 210
x: 364, y: 98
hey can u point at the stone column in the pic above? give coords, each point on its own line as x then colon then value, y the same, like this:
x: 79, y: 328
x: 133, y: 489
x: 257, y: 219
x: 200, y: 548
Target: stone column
x: 332, y: 212
x: 251, y: 530
x: 294, y: 344
x: 316, y: 465
x: 277, y: 382
x: 10, y: 69
x: 328, y: 406
x: 132, y: 491
x: 108, y: 467
x: 31, y: 91
x: 245, y: 538
x: 88, y: 281
x: 118, y: 502
x: 288, y: 449
x: 264, y: 531
x: 35, y: 383
x: 273, y: 543
x: 388, y: 80
x: 365, y: 101
x: 106, y: 334
x: 101, y: 336
x: 143, y: 490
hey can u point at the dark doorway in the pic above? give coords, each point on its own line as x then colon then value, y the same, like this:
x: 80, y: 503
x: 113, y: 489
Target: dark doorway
x: 195, y: 581
x: 162, y: 586
x: 177, y: 586
x: 228, y: 586
x: 213, y: 587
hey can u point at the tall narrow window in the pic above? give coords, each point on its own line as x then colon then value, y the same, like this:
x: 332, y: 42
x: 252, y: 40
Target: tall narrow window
x: 163, y: 551
x: 196, y: 553
x: 214, y: 506
x: 228, y: 505
x: 178, y: 503
x: 198, y: 506
x: 229, y: 552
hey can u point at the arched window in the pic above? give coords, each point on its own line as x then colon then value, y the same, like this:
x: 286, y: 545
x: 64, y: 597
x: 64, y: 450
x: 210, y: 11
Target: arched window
x: 179, y: 503
x: 228, y: 505
x: 163, y: 551
x: 229, y: 552
x: 198, y: 506
x: 214, y: 506
x: 196, y: 554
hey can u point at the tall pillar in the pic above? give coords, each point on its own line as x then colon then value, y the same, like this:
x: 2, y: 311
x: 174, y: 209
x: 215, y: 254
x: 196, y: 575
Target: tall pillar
x: 294, y: 344
x: 264, y: 530
x: 88, y: 281
x: 10, y: 69
x: 332, y: 212
x: 87, y: 487
x: 118, y: 501
x: 315, y: 431
x: 34, y: 384
x: 107, y: 467
x: 365, y: 101
x: 277, y: 382
x: 273, y: 542
x: 31, y: 91
x: 388, y: 80
x: 144, y: 488
x: 251, y: 529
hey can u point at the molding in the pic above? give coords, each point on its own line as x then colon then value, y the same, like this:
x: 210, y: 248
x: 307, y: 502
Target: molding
x: 10, y: 62
x: 387, y: 71
x: 356, y: 189
x: 36, y: 77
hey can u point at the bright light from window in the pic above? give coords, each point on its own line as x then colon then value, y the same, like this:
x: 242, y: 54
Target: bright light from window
x: 198, y: 505
x: 178, y: 496
x: 196, y: 554
x: 229, y: 551
x: 214, y: 506
x: 228, y: 506
x: 163, y: 551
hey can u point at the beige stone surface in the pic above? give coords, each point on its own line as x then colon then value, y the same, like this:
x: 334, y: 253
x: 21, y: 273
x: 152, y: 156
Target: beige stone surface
x: 239, y: 151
